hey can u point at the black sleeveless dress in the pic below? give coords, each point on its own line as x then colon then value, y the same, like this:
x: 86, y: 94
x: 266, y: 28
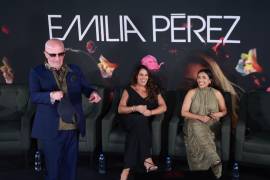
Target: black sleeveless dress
x: 138, y: 141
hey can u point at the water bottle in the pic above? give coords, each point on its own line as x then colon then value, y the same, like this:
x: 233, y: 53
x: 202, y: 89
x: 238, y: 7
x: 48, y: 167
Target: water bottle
x: 235, y: 171
x: 168, y: 163
x: 101, y: 164
x: 38, y: 161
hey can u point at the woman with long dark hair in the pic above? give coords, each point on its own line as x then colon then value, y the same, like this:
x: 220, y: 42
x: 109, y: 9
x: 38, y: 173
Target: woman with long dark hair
x: 202, y: 108
x: 139, y: 101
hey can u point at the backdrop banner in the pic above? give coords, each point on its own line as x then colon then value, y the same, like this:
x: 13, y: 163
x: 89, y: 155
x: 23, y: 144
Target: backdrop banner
x: 174, y: 39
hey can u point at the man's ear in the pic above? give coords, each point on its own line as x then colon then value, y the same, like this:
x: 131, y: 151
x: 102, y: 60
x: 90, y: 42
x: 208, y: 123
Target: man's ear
x: 46, y: 56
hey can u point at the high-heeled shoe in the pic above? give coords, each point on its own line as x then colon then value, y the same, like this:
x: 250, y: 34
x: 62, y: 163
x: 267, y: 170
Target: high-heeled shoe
x: 151, y: 168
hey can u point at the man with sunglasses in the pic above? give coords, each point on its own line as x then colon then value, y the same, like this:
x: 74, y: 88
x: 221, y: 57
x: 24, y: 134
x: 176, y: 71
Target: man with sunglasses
x: 56, y: 88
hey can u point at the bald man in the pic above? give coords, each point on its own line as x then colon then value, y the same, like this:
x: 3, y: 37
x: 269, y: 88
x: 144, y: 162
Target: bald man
x: 56, y: 88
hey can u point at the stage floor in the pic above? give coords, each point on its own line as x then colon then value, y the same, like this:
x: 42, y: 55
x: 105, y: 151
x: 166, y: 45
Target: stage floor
x: 12, y: 168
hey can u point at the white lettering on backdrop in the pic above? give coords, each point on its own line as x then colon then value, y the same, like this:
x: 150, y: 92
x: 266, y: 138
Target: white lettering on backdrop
x: 100, y: 25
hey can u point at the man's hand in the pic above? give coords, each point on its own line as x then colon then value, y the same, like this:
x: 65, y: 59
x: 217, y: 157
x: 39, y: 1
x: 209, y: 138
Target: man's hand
x: 56, y: 95
x: 94, y: 97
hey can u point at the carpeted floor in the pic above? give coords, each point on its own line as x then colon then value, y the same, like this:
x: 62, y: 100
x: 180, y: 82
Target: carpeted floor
x: 13, y: 169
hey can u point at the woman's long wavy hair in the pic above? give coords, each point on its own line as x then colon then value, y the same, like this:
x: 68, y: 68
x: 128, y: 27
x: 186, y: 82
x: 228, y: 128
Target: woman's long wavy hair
x: 151, y: 87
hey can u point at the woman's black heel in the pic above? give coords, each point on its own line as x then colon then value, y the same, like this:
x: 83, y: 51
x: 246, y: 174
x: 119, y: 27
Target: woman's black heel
x: 151, y: 168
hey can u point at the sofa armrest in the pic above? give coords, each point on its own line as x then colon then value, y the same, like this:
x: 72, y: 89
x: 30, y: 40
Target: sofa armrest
x: 239, y: 138
x: 156, y: 133
x: 26, y: 120
x: 91, y: 121
x: 225, y: 137
x: 106, y: 126
x: 173, y: 126
x: 91, y: 126
x: 241, y: 127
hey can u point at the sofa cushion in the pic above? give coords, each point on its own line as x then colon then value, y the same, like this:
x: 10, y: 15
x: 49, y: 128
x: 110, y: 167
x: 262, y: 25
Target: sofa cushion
x: 10, y: 130
x: 118, y: 135
x: 14, y: 97
x: 257, y: 142
x: 258, y: 111
x: 8, y: 114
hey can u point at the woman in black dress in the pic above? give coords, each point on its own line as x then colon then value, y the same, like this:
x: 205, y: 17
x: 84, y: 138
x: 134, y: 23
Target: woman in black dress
x: 141, y: 100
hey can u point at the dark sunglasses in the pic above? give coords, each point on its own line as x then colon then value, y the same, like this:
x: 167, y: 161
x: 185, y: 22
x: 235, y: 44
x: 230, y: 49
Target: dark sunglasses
x: 54, y: 55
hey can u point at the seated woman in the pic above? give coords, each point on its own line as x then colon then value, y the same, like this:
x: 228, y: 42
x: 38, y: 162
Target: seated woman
x: 139, y: 101
x: 205, y: 60
x: 202, y: 108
